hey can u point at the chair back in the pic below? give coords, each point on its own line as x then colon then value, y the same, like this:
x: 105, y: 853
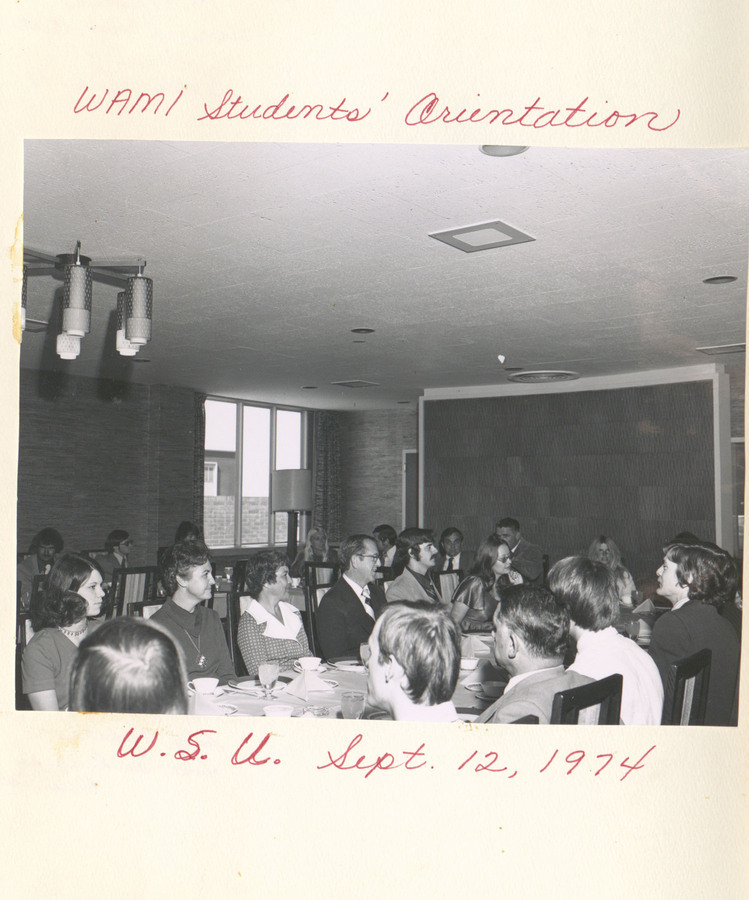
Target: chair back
x: 36, y: 597
x: 687, y: 683
x: 446, y: 583
x: 384, y: 576
x: 24, y: 629
x: 319, y: 578
x: 92, y: 554
x: 136, y: 584
x: 598, y: 703
x: 231, y: 629
x: 142, y: 609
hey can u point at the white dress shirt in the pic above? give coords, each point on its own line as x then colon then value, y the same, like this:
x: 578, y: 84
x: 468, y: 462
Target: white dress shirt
x: 362, y: 593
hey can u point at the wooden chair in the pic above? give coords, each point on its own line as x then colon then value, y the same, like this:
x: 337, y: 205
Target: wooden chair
x: 92, y: 554
x: 446, y: 583
x: 135, y: 584
x: 38, y: 587
x: 318, y: 579
x: 687, y: 684
x: 598, y: 703
x: 231, y: 629
x: 143, y: 609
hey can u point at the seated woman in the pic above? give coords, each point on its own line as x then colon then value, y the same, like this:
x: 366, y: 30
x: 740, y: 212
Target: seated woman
x: 73, y: 593
x: 476, y: 597
x: 316, y: 549
x: 197, y: 631
x: 604, y: 550
x: 270, y: 628
x: 129, y: 665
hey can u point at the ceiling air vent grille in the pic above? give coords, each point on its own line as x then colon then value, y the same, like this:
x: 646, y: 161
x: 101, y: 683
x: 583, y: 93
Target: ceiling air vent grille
x: 356, y: 383
x: 722, y: 349
x: 542, y: 376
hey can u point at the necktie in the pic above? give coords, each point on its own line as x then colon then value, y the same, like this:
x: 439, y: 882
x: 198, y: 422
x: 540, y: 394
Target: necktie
x: 365, y: 601
x: 449, y: 564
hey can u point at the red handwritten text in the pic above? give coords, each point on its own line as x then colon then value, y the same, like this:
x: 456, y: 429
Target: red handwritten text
x: 232, y: 107
x: 383, y: 762
x: 120, y: 100
x: 430, y: 110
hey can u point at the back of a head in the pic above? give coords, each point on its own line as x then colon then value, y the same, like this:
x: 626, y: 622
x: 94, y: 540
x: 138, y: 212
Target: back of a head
x: 587, y: 588
x: 386, y: 534
x: 535, y: 615
x: 178, y: 560
x: 129, y: 666
x: 508, y: 522
x: 426, y: 643
x: 187, y: 531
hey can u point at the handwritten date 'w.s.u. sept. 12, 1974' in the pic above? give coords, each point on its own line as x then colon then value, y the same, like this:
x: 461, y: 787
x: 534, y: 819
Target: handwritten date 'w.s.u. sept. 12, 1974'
x: 255, y: 750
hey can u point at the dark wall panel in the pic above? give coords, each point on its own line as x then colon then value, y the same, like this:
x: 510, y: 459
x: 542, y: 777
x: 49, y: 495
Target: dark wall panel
x: 635, y: 463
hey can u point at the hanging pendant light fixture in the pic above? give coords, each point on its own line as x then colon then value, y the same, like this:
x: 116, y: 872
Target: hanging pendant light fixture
x: 139, y: 309
x: 76, y: 303
x: 124, y: 346
x: 68, y: 346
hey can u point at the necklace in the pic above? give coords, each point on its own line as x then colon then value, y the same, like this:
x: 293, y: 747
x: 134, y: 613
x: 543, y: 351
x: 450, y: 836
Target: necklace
x: 73, y: 634
x: 201, y: 662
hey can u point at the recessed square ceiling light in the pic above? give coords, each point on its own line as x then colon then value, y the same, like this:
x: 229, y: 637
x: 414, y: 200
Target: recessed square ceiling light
x: 484, y: 236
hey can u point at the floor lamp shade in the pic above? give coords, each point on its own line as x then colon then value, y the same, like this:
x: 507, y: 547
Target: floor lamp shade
x: 291, y: 490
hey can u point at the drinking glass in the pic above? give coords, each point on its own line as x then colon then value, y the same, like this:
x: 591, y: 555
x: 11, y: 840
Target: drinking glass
x: 352, y: 704
x: 228, y: 573
x: 267, y: 674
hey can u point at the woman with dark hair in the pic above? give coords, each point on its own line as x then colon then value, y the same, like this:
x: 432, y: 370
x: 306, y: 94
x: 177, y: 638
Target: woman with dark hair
x: 691, y: 579
x: 605, y: 551
x: 73, y: 594
x: 270, y: 627
x: 187, y: 531
x: 129, y: 666
x: 188, y: 581
x: 316, y: 549
x: 476, y: 597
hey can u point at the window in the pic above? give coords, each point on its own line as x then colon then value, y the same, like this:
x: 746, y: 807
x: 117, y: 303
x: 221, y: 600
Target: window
x: 244, y: 442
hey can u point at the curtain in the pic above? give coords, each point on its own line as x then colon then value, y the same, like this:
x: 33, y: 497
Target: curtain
x: 198, y: 476
x: 327, y: 499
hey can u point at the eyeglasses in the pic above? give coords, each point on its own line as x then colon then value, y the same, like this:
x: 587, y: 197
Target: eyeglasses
x: 368, y: 555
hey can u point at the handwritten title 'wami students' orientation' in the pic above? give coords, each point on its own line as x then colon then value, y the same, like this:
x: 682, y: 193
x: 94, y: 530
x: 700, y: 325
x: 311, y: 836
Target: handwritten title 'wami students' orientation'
x: 428, y: 110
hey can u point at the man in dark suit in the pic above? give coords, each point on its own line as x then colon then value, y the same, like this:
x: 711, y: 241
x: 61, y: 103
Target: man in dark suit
x: 347, y: 612
x: 530, y: 639
x: 690, y: 580
x: 452, y: 556
x: 527, y: 558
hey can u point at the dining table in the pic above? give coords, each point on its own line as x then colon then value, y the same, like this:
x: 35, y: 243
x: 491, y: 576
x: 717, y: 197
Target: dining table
x: 477, y: 687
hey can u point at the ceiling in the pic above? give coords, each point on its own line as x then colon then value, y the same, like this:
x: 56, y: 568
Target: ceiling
x: 265, y: 256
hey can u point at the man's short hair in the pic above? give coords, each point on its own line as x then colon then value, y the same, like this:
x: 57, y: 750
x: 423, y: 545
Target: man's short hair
x: 352, y: 546
x: 129, y: 666
x: 176, y: 561
x: 408, y: 543
x: 115, y: 538
x: 588, y: 589
x: 699, y: 568
x: 426, y: 643
x: 386, y: 533
x: 261, y: 570
x: 447, y: 533
x: 508, y: 522
x: 47, y: 537
x: 533, y: 613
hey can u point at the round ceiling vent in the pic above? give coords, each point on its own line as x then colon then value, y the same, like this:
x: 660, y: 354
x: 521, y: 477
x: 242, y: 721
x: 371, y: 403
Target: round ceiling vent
x: 542, y: 376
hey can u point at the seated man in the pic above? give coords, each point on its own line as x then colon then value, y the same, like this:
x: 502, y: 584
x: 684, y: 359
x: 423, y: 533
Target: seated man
x: 387, y: 537
x: 417, y: 554
x: 413, y: 663
x: 347, y: 612
x: 197, y: 630
x: 118, y: 546
x: 527, y: 558
x: 530, y: 640
x: 45, y: 546
x: 690, y: 580
x: 590, y: 593
x: 452, y: 555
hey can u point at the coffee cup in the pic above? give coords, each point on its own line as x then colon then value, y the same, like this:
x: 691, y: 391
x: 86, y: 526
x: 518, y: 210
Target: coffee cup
x: 203, y: 685
x: 278, y: 709
x: 309, y: 663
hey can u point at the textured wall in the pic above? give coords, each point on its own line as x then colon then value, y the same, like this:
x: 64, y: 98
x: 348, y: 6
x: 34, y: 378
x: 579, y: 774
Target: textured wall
x: 636, y: 464
x: 96, y: 455
x: 372, y: 445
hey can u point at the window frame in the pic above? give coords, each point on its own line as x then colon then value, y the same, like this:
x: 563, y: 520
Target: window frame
x: 305, y: 455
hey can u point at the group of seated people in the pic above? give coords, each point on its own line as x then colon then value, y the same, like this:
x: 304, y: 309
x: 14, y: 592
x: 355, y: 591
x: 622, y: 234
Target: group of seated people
x: 547, y: 637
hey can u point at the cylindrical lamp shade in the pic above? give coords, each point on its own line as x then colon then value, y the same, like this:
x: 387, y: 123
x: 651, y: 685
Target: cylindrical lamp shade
x: 24, y: 297
x: 124, y: 346
x: 291, y: 490
x: 68, y: 346
x: 76, y: 301
x: 139, y: 310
